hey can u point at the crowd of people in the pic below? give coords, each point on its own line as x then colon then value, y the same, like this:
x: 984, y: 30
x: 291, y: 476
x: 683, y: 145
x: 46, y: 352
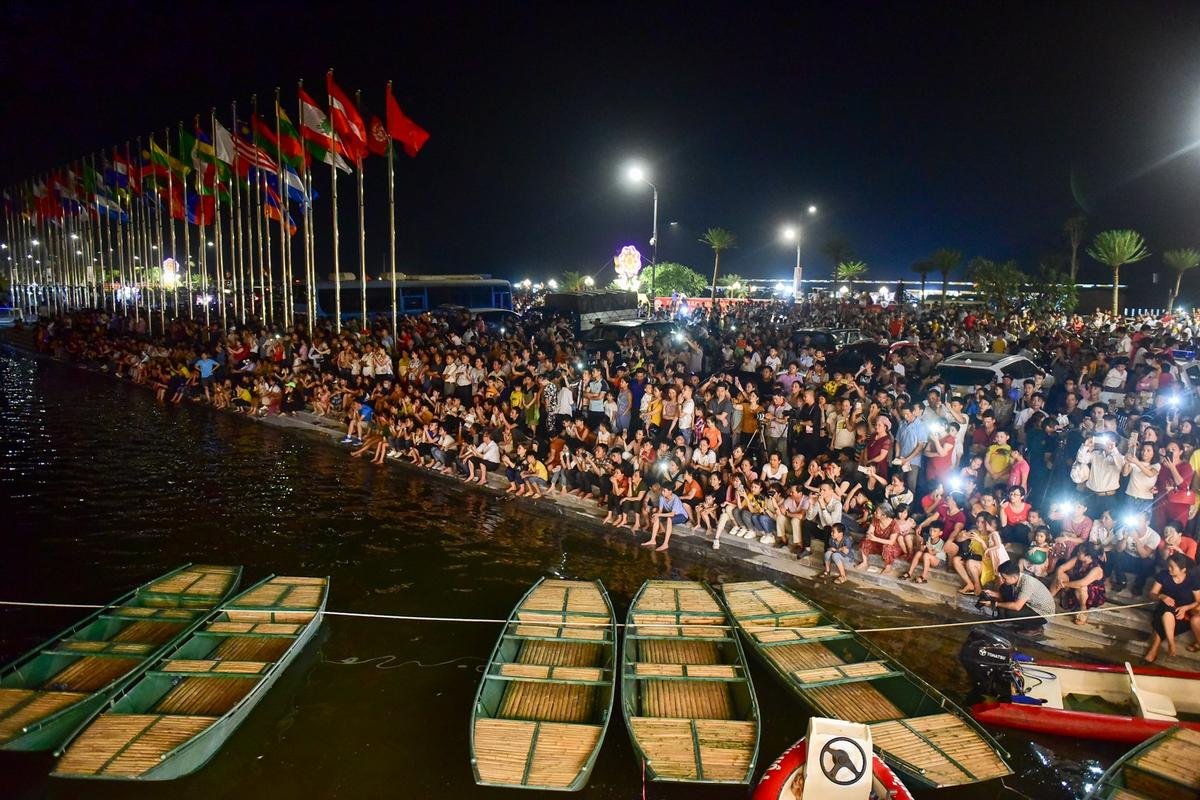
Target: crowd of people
x: 1064, y: 485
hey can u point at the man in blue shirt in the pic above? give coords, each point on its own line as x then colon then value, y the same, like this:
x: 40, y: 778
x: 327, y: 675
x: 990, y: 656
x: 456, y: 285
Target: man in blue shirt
x: 207, y: 369
x: 671, y: 512
x: 911, y: 438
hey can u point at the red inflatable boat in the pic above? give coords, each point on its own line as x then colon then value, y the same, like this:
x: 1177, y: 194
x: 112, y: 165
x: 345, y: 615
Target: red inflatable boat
x: 784, y: 780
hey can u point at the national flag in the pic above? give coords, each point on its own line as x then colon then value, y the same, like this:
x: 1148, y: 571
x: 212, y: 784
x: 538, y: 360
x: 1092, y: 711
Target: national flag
x: 274, y: 210
x: 249, y: 155
x: 110, y: 207
x: 201, y: 208
x: 318, y: 134
x: 213, y: 174
x: 223, y: 143
x: 295, y: 186
x: 283, y: 151
x: 160, y: 158
x: 289, y: 140
x: 377, y: 138
x: 118, y: 171
x: 411, y: 135
x: 347, y: 123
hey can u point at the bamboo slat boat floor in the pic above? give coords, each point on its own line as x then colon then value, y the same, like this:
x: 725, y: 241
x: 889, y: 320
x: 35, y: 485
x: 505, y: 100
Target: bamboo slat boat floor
x: 554, y: 702
x: 284, y: 592
x: 20, y: 707
x: 672, y: 651
x: 560, y: 654
x: 574, y: 601
x: 792, y: 657
x: 127, y: 745
x: 942, y: 747
x: 249, y: 648
x: 91, y: 673
x: 559, y: 754
x: 853, y: 702
x: 199, y: 665
x: 205, y: 696
x: 1169, y: 769
x: 684, y: 699
x: 756, y: 598
x: 200, y: 579
x: 149, y: 632
x: 726, y: 748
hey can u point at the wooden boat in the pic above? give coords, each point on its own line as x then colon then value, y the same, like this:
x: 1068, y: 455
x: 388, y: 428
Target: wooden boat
x: 841, y: 675
x: 843, y: 767
x: 178, y: 714
x: 1167, y: 767
x: 51, y: 690
x: 543, y: 705
x: 1097, y: 701
x: 688, y: 701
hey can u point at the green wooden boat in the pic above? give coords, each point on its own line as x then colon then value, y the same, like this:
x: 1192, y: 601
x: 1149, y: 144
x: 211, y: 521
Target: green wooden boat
x: 179, y: 713
x: 687, y: 697
x: 1164, y: 767
x: 543, y: 705
x: 842, y: 675
x: 54, y: 688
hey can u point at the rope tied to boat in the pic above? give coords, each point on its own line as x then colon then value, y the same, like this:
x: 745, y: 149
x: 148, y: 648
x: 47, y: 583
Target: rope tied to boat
x: 558, y: 624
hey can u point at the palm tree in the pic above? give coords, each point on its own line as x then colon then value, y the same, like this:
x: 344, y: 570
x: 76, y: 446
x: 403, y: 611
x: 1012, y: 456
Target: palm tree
x: 1115, y: 249
x: 923, y: 268
x: 718, y: 239
x: 1180, y: 261
x: 850, y: 271
x: 734, y: 285
x: 1075, y: 228
x: 945, y: 261
x: 572, y: 281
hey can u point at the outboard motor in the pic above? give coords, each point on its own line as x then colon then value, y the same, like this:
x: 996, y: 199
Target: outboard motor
x: 989, y: 661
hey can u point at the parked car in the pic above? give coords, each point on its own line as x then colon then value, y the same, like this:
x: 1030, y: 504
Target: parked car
x: 608, y: 335
x: 969, y: 370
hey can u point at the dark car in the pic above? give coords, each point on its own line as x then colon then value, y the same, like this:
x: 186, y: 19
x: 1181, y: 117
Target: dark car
x: 608, y: 335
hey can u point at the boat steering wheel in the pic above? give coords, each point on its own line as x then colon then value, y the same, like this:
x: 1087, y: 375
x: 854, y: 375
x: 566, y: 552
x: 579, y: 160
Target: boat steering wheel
x: 840, y: 753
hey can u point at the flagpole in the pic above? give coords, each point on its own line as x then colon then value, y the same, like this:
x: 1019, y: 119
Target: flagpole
x: 392, y: 226
x: 364, y: 325
x: 235, y: 211
x: 202, y: 264
x: 310, y: 288
x: 337, y: 262
x: 217, y: 239
x: 162, y: 276
x: 256, y: 212
x: 284, y: 239
x: 187, y: 244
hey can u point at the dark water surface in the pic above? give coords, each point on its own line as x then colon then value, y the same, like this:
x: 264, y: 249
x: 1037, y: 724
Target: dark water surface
x: 101, y: 489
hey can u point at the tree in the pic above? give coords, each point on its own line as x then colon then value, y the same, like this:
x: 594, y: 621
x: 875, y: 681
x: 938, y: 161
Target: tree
x: 1180, y: 261
x: 850, y: 270
x: 572, y: 281
x: 923, y: 268
x: 1052, y: 291
x: 718, y: 239
x: 945, y: 261
x: 1075, y: 228
x: 734, y: 285
x: 670, y: 277
x: 998, y: 285
x: 838, y: 250
x: 1115, y: 249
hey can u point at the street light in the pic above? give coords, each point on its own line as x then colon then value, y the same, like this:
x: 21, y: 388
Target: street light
x: 792, y: 233
x: 553, y: 284
x: 636, y: 174
x: 589, y: 281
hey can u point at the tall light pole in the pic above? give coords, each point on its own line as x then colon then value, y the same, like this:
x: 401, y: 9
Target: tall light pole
x: 636, y: 174
x: 792, y: 233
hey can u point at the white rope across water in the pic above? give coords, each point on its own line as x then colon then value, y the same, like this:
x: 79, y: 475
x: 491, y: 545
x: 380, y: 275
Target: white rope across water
x: 557, y: 624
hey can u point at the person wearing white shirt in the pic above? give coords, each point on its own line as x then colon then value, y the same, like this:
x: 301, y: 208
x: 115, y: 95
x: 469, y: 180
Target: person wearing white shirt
x: 687, y: 414
x: 483, y: 456
x: 1100, y: 453
x: 1142, y: 467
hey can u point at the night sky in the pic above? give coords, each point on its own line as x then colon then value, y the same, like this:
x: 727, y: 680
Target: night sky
x: 977, y: 126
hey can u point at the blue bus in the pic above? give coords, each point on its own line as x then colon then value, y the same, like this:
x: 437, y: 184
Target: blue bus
x: 414, y: 295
